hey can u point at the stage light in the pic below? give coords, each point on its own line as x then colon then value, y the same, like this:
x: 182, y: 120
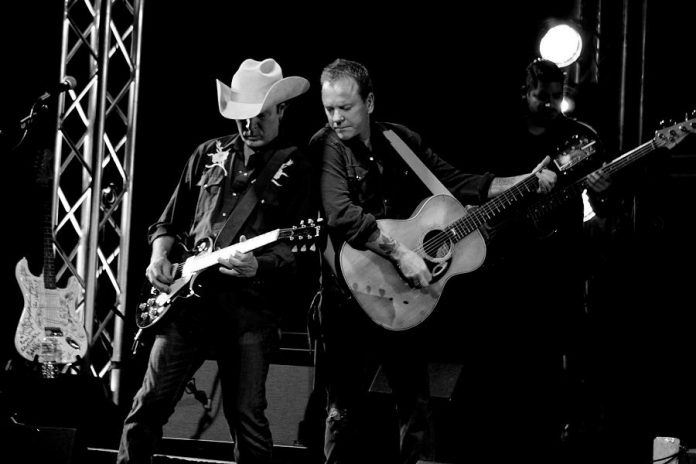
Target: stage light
x: 562, y: 44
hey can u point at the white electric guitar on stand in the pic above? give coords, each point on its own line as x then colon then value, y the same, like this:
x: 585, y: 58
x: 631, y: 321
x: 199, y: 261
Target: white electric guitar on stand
x: 51, y: 329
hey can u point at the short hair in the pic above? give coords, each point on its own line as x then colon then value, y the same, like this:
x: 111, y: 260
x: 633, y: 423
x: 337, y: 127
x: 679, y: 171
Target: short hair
x: 542, y: 71
x: 343, y: 69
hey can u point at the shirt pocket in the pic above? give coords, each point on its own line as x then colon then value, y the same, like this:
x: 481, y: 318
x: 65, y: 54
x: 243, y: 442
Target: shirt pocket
x: 360, y: 183
x: 210, y: 185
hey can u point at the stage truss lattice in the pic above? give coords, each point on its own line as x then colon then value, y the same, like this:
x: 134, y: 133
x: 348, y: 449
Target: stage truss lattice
x: 94, y: 148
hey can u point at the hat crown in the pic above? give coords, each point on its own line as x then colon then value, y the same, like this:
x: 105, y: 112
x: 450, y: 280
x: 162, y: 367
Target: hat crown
x: 256, y: 86
x: 253, y: 79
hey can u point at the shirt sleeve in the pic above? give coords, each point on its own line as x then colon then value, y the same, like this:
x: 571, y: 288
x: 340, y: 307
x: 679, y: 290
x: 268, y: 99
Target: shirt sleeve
x: 344, y: 218
x: 177, y: 216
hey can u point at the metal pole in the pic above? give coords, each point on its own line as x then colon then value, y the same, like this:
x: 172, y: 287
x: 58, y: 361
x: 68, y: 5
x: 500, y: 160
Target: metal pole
x: 644, y: 35
x: 97, y: 160
x: 127, y: 201
x: 622, y: 88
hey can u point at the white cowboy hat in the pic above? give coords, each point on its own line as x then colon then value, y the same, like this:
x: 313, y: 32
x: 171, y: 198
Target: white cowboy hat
x: 255, y: 86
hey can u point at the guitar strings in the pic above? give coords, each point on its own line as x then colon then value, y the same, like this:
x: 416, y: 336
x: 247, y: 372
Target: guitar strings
x: 471, y: 222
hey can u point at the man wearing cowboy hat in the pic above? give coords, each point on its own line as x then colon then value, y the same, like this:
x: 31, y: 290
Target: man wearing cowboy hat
x: 259, y: 179
x: 364, y: 179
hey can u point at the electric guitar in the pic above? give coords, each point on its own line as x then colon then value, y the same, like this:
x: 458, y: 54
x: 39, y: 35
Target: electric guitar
x: 666, y: 137
x: 446, y: 235
x: 50, y: 330
x: 157, y: 304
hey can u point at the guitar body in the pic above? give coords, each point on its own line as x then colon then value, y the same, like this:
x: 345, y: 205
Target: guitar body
x: 379, y: 288
x: 156, y: 305
x: 49, y: 317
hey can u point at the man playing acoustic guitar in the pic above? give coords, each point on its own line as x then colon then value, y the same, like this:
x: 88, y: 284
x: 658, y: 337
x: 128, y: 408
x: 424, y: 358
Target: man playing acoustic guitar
x: 364, y: 180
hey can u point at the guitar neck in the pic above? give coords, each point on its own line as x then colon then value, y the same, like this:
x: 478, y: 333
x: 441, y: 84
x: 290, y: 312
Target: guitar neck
x: 49, y: 274
x: 557, y: 199
x: 200, y: 262
x: 493, y: 208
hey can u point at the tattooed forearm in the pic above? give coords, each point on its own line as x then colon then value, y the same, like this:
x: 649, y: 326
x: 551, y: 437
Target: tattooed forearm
x: 386, y: 244
x: 382, y: 244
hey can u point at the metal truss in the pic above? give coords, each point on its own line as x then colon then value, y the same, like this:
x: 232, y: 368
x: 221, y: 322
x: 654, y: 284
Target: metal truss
x: 94, y: 147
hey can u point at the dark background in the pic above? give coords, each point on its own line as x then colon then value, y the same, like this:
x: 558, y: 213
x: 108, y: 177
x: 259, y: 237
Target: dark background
x: 452, y: 75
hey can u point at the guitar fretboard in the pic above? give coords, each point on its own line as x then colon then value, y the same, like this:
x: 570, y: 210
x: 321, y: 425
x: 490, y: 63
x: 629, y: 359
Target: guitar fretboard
x: 576, y: 188
x: 491, y: 209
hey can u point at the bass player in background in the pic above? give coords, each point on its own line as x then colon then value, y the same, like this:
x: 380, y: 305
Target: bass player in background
x: 364, y: 179
x: 537, y: 339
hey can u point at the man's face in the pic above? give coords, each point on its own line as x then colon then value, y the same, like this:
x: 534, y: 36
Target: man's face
x: 544, y: 101
x: 260, y: 130
x: 348, y: 114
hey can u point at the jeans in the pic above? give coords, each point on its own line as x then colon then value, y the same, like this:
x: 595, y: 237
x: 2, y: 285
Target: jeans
x: 243, y: 366
x: 353, y: 347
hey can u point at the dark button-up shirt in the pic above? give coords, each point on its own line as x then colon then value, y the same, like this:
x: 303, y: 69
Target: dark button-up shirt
x: 213, y: 181
x: 359, y: 186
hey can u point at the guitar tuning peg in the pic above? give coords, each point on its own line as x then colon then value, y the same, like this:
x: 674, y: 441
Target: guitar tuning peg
x: 303, y: 248
x: 666, y: 123
x: 294, y: 249
x: 313, y: 247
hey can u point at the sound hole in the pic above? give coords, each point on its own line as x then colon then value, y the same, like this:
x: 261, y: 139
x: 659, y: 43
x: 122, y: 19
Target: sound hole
x: 437, y: 246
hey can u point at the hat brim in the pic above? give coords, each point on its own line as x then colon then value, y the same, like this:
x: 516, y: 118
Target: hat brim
x: 231, y: 106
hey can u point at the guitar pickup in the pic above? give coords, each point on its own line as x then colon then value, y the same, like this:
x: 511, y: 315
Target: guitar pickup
x: 53, y: 332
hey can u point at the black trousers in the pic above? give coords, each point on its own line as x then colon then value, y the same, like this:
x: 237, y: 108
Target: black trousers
x: 243, y: 362
x: 353, y: 348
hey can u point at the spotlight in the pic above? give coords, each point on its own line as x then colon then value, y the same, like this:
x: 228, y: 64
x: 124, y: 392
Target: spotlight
x: 562, y: 44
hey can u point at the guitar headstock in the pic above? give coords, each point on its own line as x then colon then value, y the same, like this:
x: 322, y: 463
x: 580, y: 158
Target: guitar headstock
x: 671, y: 134
x: 576, y: 150
x: 305, y: 232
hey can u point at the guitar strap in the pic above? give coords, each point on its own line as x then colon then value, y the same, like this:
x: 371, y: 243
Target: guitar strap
x: 415, y: 163
x: 248, y: 202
